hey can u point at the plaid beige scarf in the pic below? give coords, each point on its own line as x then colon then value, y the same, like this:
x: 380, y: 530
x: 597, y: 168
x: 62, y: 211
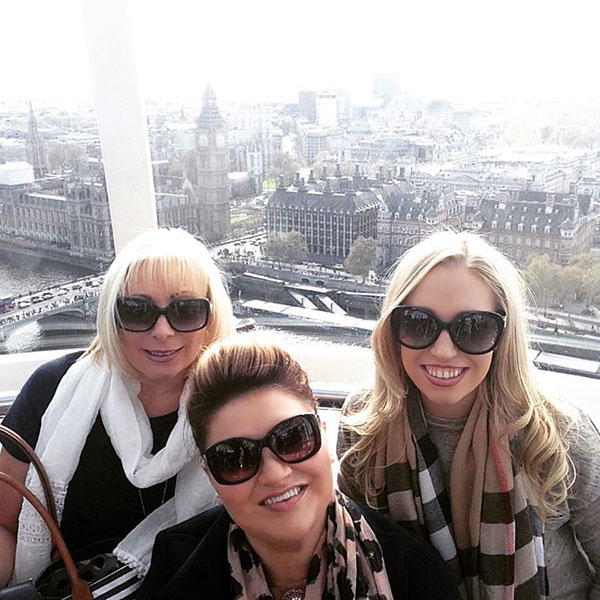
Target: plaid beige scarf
x: 347, y: 564
x: 483, y: 526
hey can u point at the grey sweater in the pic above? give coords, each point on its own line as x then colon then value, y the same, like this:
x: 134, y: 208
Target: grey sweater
x: 572, y: 542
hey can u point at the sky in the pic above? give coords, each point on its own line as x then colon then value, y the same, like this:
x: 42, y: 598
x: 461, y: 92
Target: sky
x: 266, y: 50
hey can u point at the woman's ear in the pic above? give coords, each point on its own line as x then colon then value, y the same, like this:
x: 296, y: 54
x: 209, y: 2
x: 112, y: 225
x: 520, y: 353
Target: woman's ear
x: 205, y: 468
x: 332, y: 456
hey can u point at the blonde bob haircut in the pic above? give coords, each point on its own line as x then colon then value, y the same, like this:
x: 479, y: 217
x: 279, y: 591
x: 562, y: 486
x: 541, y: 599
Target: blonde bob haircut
x: 241, y: 364
x: 513, y: 397
x: 173, y: 260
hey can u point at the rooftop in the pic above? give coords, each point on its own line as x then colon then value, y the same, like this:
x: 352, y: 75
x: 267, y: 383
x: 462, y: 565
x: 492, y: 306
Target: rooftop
x: 16, y: 173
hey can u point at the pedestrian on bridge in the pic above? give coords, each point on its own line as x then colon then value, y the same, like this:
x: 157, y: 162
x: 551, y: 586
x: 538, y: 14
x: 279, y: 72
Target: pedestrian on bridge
x: 109, y: 424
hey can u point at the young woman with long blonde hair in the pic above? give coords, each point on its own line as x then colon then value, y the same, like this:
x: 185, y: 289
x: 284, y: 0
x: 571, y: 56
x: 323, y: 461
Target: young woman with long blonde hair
x: 456, y: 440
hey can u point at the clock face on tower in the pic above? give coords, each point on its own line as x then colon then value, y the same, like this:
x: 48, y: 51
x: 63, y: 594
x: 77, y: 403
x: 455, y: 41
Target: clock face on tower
x: 202, y: 139
x: 220, y: 139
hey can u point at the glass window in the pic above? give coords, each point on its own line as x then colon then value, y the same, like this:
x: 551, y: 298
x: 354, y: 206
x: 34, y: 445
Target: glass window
x: 444, y: 127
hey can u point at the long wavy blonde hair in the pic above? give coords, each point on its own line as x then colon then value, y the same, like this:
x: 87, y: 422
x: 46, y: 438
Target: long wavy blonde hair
x: 510, y: 390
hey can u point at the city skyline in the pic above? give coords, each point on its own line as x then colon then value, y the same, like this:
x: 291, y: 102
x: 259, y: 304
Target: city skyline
x: 462, y: 51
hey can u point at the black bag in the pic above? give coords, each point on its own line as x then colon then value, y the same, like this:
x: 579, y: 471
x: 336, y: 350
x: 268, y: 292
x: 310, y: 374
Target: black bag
x: 21, y: 591
x: 96, y: 565
x: 96, y: 573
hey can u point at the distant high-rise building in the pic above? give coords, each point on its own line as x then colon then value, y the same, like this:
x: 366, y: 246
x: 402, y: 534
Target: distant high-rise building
x: 440, y: 110
x: 385, y: 87
x: 307, y: 105
x: 212, y: 166
x: 36, y: 152
x: 344, y: 105
x: 327, y: 109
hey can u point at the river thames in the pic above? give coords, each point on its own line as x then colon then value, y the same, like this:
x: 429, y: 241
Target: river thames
x: 24, y: 274
x: 20, y: 274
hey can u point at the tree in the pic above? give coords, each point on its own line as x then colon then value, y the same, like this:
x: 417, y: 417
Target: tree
x: 571, y: 283
x: 289, y: 247
x: 327, y: 159
x: 542, y: 277
x: 362, y: 257
x: 576, y: 282
x: 591, y: 284
x: 175, y: 168
x: 273, y: 249
x: 64, y: 156
x: 285, y: 164
x: 585, y: 261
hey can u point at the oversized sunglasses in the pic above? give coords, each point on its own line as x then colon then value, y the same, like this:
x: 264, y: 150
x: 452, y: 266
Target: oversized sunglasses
x: 182, y: 314
x: 236, y: 460
x: 472, y: 332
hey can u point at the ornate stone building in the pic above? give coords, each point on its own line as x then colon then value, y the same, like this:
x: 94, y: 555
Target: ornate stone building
x: 409, y: 214
x: 71, y: 218
x: 90, y: 229
x: 211, y: 192
x: 522, y: 223
x: 330, y: 214
x: 36, y: 151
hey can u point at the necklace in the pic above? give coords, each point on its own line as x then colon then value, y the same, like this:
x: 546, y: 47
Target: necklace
x: 293, y: 590
x: 293, y: 594
x: 162, y: 501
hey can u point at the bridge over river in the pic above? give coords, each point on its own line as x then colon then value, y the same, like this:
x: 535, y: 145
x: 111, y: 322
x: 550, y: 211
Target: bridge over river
x: 75, y: 297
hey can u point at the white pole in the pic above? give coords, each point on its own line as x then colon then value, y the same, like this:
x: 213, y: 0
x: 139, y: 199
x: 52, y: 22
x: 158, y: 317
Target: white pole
x: 121, y: 118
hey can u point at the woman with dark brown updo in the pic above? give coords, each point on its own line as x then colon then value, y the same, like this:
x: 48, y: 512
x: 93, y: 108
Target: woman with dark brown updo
x: 282, y: 532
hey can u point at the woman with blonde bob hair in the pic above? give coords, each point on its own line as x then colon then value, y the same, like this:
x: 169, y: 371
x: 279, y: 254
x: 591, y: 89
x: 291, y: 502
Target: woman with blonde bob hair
x: 108, y: 423
x: 456, y: 440
x: 282, y: 532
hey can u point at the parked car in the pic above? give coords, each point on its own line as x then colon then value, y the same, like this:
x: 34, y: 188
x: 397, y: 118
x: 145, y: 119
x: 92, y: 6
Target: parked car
x: 588, y: 311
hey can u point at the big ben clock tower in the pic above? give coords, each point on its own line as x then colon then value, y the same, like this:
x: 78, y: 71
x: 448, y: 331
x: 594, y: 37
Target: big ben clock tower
x: 212, y: 166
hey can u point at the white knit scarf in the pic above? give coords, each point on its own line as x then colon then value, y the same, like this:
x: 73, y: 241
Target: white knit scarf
x: 86, y: 390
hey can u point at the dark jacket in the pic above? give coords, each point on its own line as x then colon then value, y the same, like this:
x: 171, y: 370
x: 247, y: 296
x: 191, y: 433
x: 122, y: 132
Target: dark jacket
x: 189, y: 561
x: 101, y: 503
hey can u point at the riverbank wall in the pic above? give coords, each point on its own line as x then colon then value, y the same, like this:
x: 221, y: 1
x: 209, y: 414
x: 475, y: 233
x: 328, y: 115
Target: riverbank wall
x: 30, y: 255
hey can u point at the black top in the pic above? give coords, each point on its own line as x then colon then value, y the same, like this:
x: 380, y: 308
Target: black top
x: 101, y: 503
x: 189, y: 561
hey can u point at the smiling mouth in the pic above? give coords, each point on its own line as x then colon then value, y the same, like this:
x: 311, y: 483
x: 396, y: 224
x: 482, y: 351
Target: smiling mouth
x: 283, y: 497
x: 444, y: 373
x: 162, y: 353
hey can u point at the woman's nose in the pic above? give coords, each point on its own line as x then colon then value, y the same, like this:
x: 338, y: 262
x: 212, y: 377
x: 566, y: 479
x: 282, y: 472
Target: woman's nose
x: 273, y: 471
x: 443, y: 347
x: 162, y: 328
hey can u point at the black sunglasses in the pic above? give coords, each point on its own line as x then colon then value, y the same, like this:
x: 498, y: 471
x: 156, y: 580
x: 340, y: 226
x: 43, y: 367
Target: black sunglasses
x: 182, y: 314
x: 236, y: 460
x: 472, y: 332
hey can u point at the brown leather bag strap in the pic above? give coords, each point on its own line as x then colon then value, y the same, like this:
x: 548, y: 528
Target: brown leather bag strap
x: 37, y: 463
x: 79, y: 588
